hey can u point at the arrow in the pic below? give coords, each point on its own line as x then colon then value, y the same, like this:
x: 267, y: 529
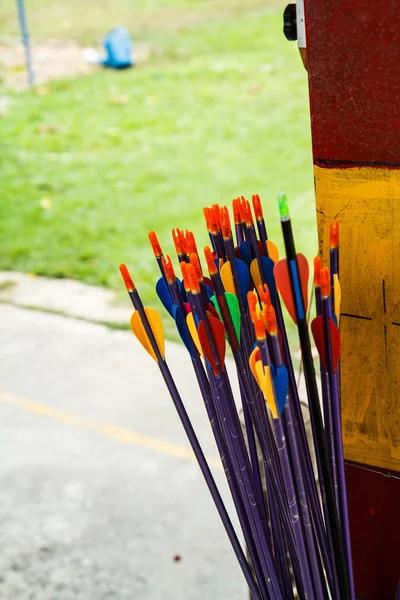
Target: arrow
x: 152, y: 340
x: 291, y: 279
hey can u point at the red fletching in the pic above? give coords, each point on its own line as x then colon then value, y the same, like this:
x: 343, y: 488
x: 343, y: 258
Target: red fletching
x: 317, y: 328
x: 211, y: 309
x: 218, y: 333
x: 261, y: 249
x: 208, y: 281
x: 304, y: 271
x: 282, y: 278
x: 335, y: 344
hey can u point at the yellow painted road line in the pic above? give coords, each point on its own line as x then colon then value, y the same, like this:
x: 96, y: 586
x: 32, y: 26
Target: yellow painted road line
x: 108, y: 430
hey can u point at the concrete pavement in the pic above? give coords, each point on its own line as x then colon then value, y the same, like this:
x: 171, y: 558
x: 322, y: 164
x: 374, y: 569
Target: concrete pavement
x: 98, y: 490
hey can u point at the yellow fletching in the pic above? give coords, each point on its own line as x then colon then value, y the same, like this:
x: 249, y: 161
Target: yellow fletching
x: 338, y: 296
x: 227, y: 278
x: 273, y: 251
x: 255, y: 274
x: 265, y: 383
x: 193, y: 332
x: 156, y: 326
x: 252, y: 363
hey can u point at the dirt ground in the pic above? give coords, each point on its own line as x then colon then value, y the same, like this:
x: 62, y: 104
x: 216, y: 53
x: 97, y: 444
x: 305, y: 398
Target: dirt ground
x: 52, y: 59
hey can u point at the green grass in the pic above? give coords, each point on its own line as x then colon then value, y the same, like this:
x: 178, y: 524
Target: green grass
x: 223, y: 111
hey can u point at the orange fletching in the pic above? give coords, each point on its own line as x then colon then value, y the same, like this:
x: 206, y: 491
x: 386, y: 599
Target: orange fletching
x: 191, y: 242
x: 193, y: 280
x: 242, y: 209
x: 252, y: 302
x: 317, y: 271
x: 130, y: 286
x: 236, y: 210
x: 155, y: 244
x: 168, y: 269
x: 226, y: 223
x: 194, y: 261
x: 183, y: 265
x: 259, y: 326
x: 334, y: 234
x: 264, y: 294
x: 248, y: 215
x: 212, y: 268
x: 214, y: 219
x: 258, y: 211
x: 270, y: 319
x: 177, y: 242
x: 325, y: 282
x: 206, y: 213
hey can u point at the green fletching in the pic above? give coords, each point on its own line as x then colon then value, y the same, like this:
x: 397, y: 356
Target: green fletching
x: 214, y: 300
x: 233, y: 307
x: 283, y: 205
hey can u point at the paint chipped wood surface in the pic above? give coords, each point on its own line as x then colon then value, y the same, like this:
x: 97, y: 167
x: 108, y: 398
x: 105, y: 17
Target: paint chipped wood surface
x: 366, y: 202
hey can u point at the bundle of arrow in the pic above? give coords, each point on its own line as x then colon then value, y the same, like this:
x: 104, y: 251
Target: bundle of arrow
x: 295, y: 528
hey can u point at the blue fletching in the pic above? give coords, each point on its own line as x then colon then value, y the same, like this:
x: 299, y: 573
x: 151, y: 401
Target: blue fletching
x: 164, y: 295
x: 245, y: 253
x: 183, y: 330
x: 267, y: 265
x: 334, y: 317
x: 182, y: 290
x: 210, y: 292
x: 281, y: 384
x: 243, y: 275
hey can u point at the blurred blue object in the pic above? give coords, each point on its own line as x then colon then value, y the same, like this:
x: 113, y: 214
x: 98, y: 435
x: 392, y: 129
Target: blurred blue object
x: 25, y: 39
x: 119, y: 49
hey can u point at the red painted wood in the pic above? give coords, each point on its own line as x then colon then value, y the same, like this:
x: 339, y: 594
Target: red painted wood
x: 353, y: 61
x: 353, y: 57
x: 374, y: 511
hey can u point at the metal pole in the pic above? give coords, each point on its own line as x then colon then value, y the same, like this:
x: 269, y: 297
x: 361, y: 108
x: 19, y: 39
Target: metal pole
x: 25, y: 41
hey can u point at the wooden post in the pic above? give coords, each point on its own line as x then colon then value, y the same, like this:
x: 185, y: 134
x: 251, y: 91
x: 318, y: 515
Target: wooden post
x: 353, y: 61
